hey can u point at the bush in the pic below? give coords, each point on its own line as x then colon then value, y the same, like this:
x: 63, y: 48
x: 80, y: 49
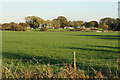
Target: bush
x: 77, y: 29
x: 44, y: 29
x: 94, y: 29
x: 25, y: 29
x: 82, y: 29
x: 100, y: 29
x: 37, y: 29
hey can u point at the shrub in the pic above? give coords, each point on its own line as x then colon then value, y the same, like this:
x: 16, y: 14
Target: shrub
x: 77, y: 29
x: 44, y: 29
x: 100, y: 29
x: 82, y: 29
x: 94, y: 29
x: 25, y: 29
x: 37, y: 29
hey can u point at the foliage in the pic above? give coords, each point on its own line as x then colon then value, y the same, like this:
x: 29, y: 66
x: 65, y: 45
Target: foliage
x: 34, y: 21
x: 63, y: 21
x: 86, y: 24
x: 75, y: 23
x: 100, y: 29
x: 44, y: 29
x: 70, y: 24
x: 78, y: 23
x: 93, y: 29
x: 105, y: 27
x: 56, y: 23
x: 0, y: 26
x: 48, y: 23
x: 82, y: 29
x: 14, y: 26
x: 93, y: 23
x: 117, y: 24
x: 112, y: 23
x: 48, y: 71
x: 6, y: 26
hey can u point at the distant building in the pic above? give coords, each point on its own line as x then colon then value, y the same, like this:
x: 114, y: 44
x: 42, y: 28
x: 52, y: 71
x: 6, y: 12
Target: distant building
x: 45, y: 25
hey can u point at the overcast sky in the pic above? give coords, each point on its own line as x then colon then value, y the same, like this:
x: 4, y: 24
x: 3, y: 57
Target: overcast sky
x: 86, y: 11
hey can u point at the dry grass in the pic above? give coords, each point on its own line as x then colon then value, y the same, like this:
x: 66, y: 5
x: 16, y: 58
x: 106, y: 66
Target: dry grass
x: 47, y: 71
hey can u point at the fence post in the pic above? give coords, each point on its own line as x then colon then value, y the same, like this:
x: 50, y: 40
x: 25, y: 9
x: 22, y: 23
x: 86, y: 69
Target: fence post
x: 74, y: 61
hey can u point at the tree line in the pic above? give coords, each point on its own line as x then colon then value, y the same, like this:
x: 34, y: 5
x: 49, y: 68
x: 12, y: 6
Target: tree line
x: 15, y: 26
x: 61, y: 22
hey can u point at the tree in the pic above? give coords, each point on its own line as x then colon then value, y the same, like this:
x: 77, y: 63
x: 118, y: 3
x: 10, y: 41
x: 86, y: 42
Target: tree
x: 17, y: 28
x: 105, y: 27
x: 108, y: 21
x: 34, y: 21
x: 48, y: 23
x: 24, y: 24
x: 70, y: 24
x: 6, y: 26
x: 76, y: 23
x: 86, y: 24
x: 56, y: 23
x: 63, y: 21
x: 93, y: 24
x: 13, y: 26
x: 80, y: 22
x: 117, y: 24
x: 0, y: 26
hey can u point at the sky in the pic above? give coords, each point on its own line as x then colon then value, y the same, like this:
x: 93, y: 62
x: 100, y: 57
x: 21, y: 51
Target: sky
x: 59, y: 0
x: 86, y: 11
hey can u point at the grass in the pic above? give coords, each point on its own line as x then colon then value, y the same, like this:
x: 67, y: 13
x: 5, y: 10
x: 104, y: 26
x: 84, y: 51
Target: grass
x: 54, y: 30
x: 57, y: 48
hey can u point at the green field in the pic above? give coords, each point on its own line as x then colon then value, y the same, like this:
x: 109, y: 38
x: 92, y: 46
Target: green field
x: 55, y: 48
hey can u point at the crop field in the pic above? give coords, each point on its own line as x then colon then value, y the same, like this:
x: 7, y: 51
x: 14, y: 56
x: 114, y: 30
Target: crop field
x: 99, y: 49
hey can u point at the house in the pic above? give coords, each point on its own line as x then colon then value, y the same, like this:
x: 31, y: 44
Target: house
x: 45, y: 25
